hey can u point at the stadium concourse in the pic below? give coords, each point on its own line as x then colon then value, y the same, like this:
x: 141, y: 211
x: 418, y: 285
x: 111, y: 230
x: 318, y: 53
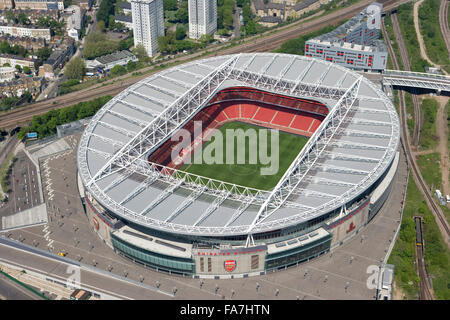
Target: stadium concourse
x: 149, y: 210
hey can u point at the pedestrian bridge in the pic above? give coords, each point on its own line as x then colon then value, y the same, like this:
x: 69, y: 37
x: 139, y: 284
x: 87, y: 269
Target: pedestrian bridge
x: 416, y: 80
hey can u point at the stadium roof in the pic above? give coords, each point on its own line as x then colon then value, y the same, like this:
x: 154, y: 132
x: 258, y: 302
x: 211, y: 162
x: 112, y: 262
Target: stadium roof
x: 350, y: 150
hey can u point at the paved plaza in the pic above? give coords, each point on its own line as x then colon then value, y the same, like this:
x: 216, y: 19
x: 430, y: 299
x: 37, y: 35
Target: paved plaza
x: 341, y: 274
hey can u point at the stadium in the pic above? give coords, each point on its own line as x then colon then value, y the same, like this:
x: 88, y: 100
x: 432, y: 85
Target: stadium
x: 338, y: 140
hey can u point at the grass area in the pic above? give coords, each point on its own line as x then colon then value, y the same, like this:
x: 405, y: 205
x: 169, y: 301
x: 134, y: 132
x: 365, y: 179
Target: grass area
x: 431, y: 33
x: 428, y: 138
x: 431, y: 172
x: 390, y: 31
x: 437, y: 257
x: 406, y: 21
x: 409, y: 113
x: 429, y: 167
x: 248, y: 174
x: 5, y: 171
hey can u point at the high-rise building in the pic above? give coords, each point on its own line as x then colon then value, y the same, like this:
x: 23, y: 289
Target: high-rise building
x: 202, y: 17
x: 148, y: 23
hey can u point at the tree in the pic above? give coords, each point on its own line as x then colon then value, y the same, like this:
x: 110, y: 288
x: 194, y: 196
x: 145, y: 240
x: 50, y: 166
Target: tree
x: 118, y: 70
x: 75, y: 68
x: 43, y: 53
x: 111, y: 22
x: 180, y: 32
x: 139, y: 51
x: 101, y: 26
x: 18, y: 68
x: 182, y: 14
x: 98, y: 44
x: 23, y: 18
x: 105, y: 9
x: 26, y: 70
x: 10, y: 16
x: 170, y: 5
x: 131, y: 65
x: 6, y: 64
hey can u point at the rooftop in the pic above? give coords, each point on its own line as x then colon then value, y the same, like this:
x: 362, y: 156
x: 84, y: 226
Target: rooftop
x: 351, y: 162
x: 378, y: 45
x: 116, y: 56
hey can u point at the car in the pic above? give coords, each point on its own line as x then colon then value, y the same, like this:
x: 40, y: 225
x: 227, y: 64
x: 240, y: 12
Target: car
x: 62, y: 254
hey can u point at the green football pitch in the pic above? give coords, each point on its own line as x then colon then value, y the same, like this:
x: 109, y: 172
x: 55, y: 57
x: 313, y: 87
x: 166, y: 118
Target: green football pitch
x: 247, y: 174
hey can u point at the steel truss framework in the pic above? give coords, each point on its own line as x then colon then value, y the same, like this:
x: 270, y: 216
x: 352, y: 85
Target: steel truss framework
x: 416, y: 80
x: 132, y: 156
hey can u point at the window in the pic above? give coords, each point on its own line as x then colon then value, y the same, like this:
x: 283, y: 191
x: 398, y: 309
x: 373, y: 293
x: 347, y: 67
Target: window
x: 202, y: 267
x: 209, y: 265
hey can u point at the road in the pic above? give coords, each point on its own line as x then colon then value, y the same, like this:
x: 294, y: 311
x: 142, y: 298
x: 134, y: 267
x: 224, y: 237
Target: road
x: 260, y: 43
x: 10, y: 290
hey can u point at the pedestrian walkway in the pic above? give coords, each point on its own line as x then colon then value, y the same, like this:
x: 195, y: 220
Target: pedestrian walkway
x: 29, y: 217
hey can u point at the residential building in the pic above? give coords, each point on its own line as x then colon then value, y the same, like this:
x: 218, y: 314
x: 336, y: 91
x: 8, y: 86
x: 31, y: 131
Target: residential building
x: 57, y: 59
x: 284, y: 8
x: 269, y: 21
x: 202, y: 18
x: 363, y: 29
x: 354, y: 44
x: 6, y: 4
x: 26, y: 42
x: 86, y: 4
x: 351, y: 55
x: 7, y: 73
x: 148, y: 23
x: 75, y: 18
x: 19, y: 31
x: 32, y: 15
x: 17, y: 87
x: 39, y: 4
x: 13, y: 60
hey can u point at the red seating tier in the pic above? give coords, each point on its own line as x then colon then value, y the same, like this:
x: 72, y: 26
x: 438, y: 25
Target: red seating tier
x: 291, y: 115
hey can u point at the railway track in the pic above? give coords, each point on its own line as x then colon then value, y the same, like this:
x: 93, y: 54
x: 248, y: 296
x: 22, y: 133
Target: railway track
x: 442, y: 222
x: 270, y: 42
x: 425, y: 286
x: 437, y: 211
x: 407, y: 67
x: 443, y: 23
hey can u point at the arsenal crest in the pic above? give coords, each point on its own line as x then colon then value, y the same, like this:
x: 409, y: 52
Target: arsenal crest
x: 229, y: 265
x: 351, y: 227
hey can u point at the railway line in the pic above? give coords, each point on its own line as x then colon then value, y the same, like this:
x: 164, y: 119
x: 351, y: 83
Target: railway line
x: 437, y: 211
x: 443, y: 23
x: 442, y: 222
x: 425, y: 286
x: 407, y: 67
x: 270, y: 42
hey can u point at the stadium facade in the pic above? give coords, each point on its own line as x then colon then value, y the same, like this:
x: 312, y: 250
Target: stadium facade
x: 355, y: 44
x: 146, y: 209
